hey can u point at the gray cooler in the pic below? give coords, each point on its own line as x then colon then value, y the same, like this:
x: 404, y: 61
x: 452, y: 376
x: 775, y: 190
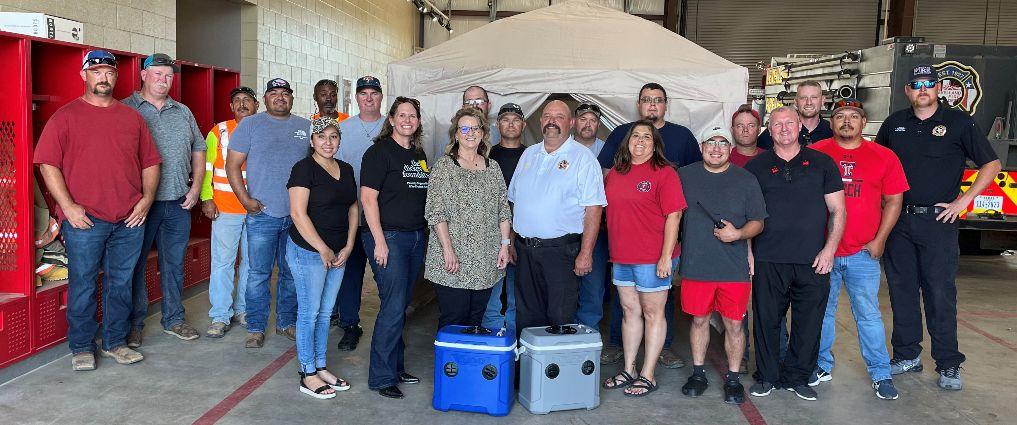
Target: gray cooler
x: 559, y: 368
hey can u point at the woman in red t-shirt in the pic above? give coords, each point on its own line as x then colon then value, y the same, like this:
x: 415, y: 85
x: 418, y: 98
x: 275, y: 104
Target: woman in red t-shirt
x: 645, y: 204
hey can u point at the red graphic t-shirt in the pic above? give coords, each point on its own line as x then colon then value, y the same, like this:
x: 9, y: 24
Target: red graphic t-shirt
x: 638, y: 203
x: 869, y: 172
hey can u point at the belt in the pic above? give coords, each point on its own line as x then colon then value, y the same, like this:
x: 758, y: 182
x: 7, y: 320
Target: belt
x: 920, y: 209
x: 548, y: 243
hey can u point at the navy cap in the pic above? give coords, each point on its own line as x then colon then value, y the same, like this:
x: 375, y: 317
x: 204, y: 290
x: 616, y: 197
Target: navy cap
x: 368, y: 82
x: 278, y: 83
x: 160, y: 59
x: 511, y: 108
x: 245, y: 90
x: 96, y: 58
x: 923, y: 72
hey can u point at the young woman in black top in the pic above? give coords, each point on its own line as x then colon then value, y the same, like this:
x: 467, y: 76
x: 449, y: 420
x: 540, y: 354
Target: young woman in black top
x: 323, y: 205
x: 394, y: 180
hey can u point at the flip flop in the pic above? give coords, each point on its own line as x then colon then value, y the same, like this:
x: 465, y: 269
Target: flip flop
x: 642, y: 383
x: 616, y: 383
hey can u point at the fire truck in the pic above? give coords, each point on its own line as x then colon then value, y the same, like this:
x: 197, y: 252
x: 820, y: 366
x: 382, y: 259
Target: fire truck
x: 980, y: 80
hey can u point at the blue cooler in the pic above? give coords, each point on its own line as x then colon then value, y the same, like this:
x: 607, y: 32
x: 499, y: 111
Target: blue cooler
x: 474, y: 370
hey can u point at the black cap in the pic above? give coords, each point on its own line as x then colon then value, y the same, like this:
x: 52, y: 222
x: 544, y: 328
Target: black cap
x: 511, y: 108
x: 245, y: 90
x: 368, y: 82
x: 588, y: 107
x: 278, y: 83
x: 160, y: 59
x: 923, y: 72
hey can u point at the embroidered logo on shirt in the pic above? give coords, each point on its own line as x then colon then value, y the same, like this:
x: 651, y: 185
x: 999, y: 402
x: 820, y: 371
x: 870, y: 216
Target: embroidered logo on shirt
x: 900, y: 129
x: 774, y: 170
x: 300, y: 134
x: 563, y: 165
x: 643, y: 186
x: 939, y: 130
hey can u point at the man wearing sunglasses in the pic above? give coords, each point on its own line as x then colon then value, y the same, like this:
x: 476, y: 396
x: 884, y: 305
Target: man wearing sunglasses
x: 809, y: 101
x: 681, y: 148
x: 477, y: 97
x: 102, y: 202
x: 793, y: 255
x: 933, y: 142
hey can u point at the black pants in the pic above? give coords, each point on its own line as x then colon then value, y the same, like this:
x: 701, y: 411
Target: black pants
x: 921, y: 257
x: 464, y: 307
x: 547, y: 288
x: 775, y: 286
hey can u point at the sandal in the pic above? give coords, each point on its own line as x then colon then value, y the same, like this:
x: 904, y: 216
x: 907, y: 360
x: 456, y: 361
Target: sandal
x: 615, y: 383
x: 642, y: 383
x: 318, y: 393
x: 339, y: 385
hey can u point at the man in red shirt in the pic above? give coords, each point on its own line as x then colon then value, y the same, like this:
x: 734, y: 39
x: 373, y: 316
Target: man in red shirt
x: 102, y: 168
x: 745, y: 128
x: 874, y: 186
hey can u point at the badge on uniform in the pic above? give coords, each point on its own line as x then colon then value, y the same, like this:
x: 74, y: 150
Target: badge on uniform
x: 939, y: 130
x: 563, y: 165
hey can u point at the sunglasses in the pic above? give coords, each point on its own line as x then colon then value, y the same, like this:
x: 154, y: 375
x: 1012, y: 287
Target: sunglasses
x: 103, y: 60
x: 468, y: 129
x: 917, y: 85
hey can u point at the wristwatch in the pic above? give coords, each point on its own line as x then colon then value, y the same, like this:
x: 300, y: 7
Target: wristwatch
x: 506, y: 242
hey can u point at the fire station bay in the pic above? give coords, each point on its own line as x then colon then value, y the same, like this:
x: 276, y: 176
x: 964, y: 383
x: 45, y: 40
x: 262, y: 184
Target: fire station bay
x: 508, y: 211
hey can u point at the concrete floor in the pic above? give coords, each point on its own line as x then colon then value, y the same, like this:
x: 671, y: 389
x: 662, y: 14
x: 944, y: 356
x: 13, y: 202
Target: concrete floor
x: 207, y: 379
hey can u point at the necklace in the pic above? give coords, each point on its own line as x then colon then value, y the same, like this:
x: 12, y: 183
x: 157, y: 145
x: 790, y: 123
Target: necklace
x: 374, y: 130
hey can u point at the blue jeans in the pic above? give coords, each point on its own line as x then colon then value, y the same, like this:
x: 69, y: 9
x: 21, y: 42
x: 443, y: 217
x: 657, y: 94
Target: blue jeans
x: 395, y: 285
x: 266, y: 248
x: 860, y: 274
x: 493, y: 319
x: 116, y: 247
x: 347, y: 307
x: 591, y: 290
x: 615, y: 332
x: 168, y: 226
x: 228, y: 233
x: 316, y: 291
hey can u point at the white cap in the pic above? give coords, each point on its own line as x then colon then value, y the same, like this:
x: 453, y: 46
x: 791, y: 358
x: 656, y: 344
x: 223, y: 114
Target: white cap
x: 715, y: 131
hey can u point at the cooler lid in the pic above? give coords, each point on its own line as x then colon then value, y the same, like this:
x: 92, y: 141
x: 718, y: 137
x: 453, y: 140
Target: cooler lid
x: 560, y: 337
x: 472, y: 337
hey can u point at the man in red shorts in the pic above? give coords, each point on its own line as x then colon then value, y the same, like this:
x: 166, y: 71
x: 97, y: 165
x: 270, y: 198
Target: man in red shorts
x: 726, y: 209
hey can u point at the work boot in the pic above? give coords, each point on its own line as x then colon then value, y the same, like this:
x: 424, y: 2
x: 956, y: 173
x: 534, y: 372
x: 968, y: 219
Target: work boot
x: 350, y: 339
x: 669, y: 359
x: 611, y: 354
x: 217, y: 330
x: 254, y: 340
x: 288, y: 332
x: 134, y: 338
x: 241, y: 318
x: 183, y: 331
x: 83, y: 361
x: 123, y: 355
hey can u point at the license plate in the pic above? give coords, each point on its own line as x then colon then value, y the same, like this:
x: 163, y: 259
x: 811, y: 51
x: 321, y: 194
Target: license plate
x: 983, y: 202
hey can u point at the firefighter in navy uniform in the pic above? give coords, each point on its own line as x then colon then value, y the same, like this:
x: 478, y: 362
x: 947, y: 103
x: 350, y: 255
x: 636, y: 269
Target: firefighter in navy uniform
x: 921, y: 253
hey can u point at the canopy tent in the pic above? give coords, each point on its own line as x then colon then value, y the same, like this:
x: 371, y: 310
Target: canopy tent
x: 580, y: 48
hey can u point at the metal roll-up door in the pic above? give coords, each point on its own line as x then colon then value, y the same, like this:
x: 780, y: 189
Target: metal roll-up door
x: 967, y: 22
x: 749, y: 31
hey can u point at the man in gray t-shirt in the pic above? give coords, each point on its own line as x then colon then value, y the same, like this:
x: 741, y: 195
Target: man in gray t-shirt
x: 269, y: 143
x: 726, y: 209
x: 168, y: 224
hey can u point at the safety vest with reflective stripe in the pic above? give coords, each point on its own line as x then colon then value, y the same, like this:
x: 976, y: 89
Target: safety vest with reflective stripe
x: 215, y: 185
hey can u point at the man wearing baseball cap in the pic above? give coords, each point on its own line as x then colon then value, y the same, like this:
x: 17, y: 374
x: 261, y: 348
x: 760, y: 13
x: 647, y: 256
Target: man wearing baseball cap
x: 102, y: 201
x: 220, y: 204
x: 510, y: 123
x: 726, y: 209
x: 933, y: 142
x: 168, y: 226
x: 358, y: 133
x: 591, y: 292
x: 269, y: 143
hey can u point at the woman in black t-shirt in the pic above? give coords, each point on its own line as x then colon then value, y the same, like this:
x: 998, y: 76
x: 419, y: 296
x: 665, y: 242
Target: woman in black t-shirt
x: 394, y: 180
x: 323, y: 205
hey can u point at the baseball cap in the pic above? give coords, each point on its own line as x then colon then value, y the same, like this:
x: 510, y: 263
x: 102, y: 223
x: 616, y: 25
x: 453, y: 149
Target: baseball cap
x: 278, y: 83
x: 588, y: 107
x: 714, y: 132
x: 96, y: 58
x: 368, y: 82
x: 245, y: 90
x: 923, y: 72
x: 319, y: 125
x: 511, y: 108
x: 848, y: 103
x: 160, y: 59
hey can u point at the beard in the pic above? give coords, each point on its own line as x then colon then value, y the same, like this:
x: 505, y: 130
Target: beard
x: 102, y: 89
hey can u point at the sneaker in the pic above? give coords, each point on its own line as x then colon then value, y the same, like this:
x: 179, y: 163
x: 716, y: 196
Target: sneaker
x: 350, y: 339
x: 670, y: 360
x: 885, y: 389
x: 134, y: 338
x: 804, y: 392
x: 761, y: 389
x: 83, y: 361
x: 217, y: 330
x: 240, y: 318
x: 288, y: 332
x: 254, y: 340
x: 123, y: 355
x: 818, y: 376
x: 183, y: 331
x: 611, y: 354
x: 734, y: 392
x: 899, y: 366
x: 949, y: 379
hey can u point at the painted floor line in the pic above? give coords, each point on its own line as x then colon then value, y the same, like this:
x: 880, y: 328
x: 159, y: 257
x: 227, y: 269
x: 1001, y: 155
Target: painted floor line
x: 223, y: 407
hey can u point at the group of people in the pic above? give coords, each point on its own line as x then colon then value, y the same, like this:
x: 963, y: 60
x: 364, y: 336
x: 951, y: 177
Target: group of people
x: 514, y: 236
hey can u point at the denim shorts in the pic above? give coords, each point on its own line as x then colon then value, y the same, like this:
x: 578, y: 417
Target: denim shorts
x: 642, y: 276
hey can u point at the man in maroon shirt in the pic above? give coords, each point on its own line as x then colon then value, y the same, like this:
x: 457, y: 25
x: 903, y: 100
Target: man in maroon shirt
x: 745, y: 129
x: 102, y: 168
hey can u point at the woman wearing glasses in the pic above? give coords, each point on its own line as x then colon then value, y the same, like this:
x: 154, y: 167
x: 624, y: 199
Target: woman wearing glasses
x: 467, y: 209
x: 394, y: 179
x: 644, y: 206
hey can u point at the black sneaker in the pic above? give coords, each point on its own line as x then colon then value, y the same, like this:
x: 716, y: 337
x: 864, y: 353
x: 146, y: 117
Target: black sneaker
x: 351, y: 337
x: 734, y: 392
x: 695, y: 386
x: 804, y: 392
x: 761, y: 389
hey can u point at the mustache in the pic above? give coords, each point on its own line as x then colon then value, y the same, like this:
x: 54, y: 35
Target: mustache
x: 847, y: 127
x: 551, y: 125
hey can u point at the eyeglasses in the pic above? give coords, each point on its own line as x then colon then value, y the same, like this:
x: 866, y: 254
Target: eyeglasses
x: 917, y: 85
x: 474, y: 102
x: 468, y: 129
x: 648, y: 99
x: 717, y: 144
